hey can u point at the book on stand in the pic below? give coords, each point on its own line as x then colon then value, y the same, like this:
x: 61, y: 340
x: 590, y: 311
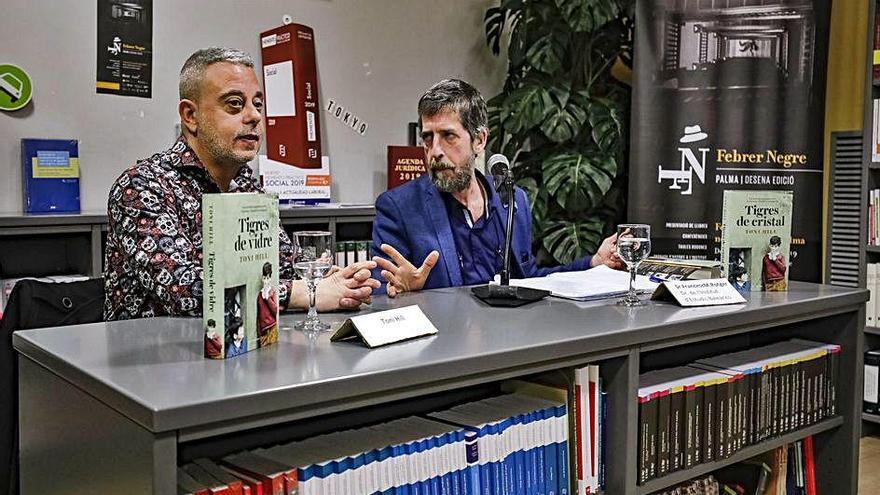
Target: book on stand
x: 240, y: 272
x: 756, y: 239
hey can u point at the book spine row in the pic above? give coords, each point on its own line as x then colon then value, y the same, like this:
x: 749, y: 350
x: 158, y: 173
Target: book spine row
x: 348, y: 252
x: 734, y: 406
x: 511, y: 444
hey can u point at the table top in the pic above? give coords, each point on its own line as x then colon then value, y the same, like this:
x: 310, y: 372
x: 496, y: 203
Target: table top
x: 153, y: 371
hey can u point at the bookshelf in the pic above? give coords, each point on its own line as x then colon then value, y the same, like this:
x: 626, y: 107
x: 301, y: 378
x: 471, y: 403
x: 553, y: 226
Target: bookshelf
x: 870, y: 181
x: 139, y: 399
x: 75, y: 243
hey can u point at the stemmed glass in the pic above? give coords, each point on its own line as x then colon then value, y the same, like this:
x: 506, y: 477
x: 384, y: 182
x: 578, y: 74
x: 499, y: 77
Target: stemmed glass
x: 633, y: 245
x: 312, y: 258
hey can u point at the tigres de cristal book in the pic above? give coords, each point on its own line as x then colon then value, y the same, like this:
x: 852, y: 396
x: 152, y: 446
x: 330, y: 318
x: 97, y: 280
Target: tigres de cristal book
x: 756, y: 239
x: 240, y: 272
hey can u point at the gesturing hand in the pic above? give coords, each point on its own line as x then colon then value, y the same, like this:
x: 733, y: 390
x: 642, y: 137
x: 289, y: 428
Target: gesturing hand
x: 401, y: 275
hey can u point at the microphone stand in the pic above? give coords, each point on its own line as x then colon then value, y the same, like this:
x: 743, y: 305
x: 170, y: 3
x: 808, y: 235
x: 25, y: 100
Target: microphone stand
x: 504, y: 294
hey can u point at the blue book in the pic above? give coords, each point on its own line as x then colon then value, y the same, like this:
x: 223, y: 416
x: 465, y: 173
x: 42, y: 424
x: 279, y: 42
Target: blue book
x: 472, y: 455
x: 401, y: 487
x: 50, y: 175
x: 383, y: 455
x: 543, y: 418
x: 530, y: 460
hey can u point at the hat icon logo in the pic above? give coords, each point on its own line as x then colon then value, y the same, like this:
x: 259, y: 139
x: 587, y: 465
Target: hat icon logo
x: 693, y: 133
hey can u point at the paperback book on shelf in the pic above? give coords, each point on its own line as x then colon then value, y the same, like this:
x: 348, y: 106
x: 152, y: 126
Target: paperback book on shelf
x: 240, y: 260
x: 50, y: 175
x: 756, y: 239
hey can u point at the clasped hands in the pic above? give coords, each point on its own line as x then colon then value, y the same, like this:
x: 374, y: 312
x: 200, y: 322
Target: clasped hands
x: 341, y: 288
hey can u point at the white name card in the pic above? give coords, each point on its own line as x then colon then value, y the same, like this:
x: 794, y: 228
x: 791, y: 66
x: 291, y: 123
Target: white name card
x: 712, y: 292
x: 386, y: 327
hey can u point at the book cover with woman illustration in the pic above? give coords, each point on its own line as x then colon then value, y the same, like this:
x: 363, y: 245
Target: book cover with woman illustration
x: 240, y: 289
x: 756, y: 239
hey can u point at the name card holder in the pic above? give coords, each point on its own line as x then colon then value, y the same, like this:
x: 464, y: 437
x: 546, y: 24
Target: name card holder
x: 711, y: 292
x: 386, y: 327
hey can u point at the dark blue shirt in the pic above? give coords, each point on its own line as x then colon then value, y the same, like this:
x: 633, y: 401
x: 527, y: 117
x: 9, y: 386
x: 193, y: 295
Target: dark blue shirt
x: 480, y: 242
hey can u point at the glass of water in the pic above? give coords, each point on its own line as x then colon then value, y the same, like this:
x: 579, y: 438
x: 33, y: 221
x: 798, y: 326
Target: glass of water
x: 312, y: 258
x: 633, y: 245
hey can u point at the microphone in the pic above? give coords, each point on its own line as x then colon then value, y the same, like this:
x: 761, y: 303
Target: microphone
x: 505, y: 294
x: 501, y: 174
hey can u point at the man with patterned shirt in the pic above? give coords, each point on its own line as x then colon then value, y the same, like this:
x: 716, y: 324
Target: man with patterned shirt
x: 154, y: 244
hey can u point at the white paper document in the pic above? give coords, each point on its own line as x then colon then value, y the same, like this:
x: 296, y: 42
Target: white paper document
x: 596, y: 283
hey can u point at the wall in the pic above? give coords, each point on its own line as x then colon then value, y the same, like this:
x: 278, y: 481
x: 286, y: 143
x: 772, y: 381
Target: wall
x: 375, y: 57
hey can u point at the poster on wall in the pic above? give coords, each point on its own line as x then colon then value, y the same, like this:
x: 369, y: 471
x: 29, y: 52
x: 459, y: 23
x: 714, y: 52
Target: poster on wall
x: 727, y: 98
x: 125, y: 48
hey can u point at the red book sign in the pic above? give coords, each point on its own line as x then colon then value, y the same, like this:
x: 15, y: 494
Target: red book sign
x: 405, y: 163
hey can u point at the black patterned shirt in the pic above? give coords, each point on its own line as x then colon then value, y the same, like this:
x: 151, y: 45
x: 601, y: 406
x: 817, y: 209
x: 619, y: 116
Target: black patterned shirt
x: 153, y: 260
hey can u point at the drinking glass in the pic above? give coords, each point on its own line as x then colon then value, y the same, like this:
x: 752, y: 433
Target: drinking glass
x: 633, y: 245
x: 312, y: 258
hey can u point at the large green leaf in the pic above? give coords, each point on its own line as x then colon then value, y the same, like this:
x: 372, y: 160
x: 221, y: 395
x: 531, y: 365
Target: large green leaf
x: 588, y: 15
x: 565, y: 119
x: 606, y: 123
x: 579, y: 182
x: 525, y: 108
x: 546, y: 54
x: 566, y: 240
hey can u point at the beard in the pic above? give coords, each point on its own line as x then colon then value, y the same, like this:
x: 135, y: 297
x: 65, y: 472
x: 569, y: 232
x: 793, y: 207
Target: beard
x: 222, y: 152
x: 461, y: 177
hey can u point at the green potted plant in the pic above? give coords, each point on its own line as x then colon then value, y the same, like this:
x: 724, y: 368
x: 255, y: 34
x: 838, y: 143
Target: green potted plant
x: 562, y: 116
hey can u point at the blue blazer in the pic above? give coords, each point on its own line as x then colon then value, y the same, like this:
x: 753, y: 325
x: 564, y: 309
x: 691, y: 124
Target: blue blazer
x: 413, y: 219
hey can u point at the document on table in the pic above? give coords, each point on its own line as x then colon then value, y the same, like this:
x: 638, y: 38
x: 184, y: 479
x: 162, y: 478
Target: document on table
x: 596, y: 283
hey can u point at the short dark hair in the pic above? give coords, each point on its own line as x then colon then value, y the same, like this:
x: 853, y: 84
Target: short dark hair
x: 460, y: 97
x: 267, y: 269
x: 775, y: 241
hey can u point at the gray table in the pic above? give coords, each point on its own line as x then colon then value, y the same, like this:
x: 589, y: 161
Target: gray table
x: 134, y: 392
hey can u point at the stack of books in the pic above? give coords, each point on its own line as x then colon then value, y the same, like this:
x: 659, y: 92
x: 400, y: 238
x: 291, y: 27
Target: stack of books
x: 511, y: 442
x: 714, y: 407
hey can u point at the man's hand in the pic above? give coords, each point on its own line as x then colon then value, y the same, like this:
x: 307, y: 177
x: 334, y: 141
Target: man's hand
x: 401, y: 275
x: 341, y: 288
x: 607, y: 254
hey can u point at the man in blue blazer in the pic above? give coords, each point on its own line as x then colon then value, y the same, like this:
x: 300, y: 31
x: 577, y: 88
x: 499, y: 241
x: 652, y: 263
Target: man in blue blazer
x: 451, y: 221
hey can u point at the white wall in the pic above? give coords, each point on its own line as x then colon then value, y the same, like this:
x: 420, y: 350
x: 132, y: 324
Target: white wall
x: 375, y: 57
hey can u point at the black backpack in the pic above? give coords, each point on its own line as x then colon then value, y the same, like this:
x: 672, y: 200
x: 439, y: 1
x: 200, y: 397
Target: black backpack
x: 34, y: 304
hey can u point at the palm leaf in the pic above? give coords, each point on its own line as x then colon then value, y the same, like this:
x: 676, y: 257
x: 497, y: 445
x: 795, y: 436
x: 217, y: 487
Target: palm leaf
x: 546, y: 54
x: 607, y: 124
x: 588, y: 15
x: 567, y: 240
x: 579, y: 182
x: 525, y: 108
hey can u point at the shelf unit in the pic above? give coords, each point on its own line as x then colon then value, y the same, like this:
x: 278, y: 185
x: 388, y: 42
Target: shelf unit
x: 131, y: 419
x: 75, y: 243
x: 870, y: 180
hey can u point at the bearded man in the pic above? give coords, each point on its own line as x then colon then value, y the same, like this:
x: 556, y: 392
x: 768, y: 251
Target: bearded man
x: 153, y: 260
x: 450, y: 223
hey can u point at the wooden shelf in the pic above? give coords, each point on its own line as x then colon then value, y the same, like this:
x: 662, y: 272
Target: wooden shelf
x: 746, y: 453
x: 871, y: 418
x: 872, y: 249
x: 874, y: 166
x: 872, y: 330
